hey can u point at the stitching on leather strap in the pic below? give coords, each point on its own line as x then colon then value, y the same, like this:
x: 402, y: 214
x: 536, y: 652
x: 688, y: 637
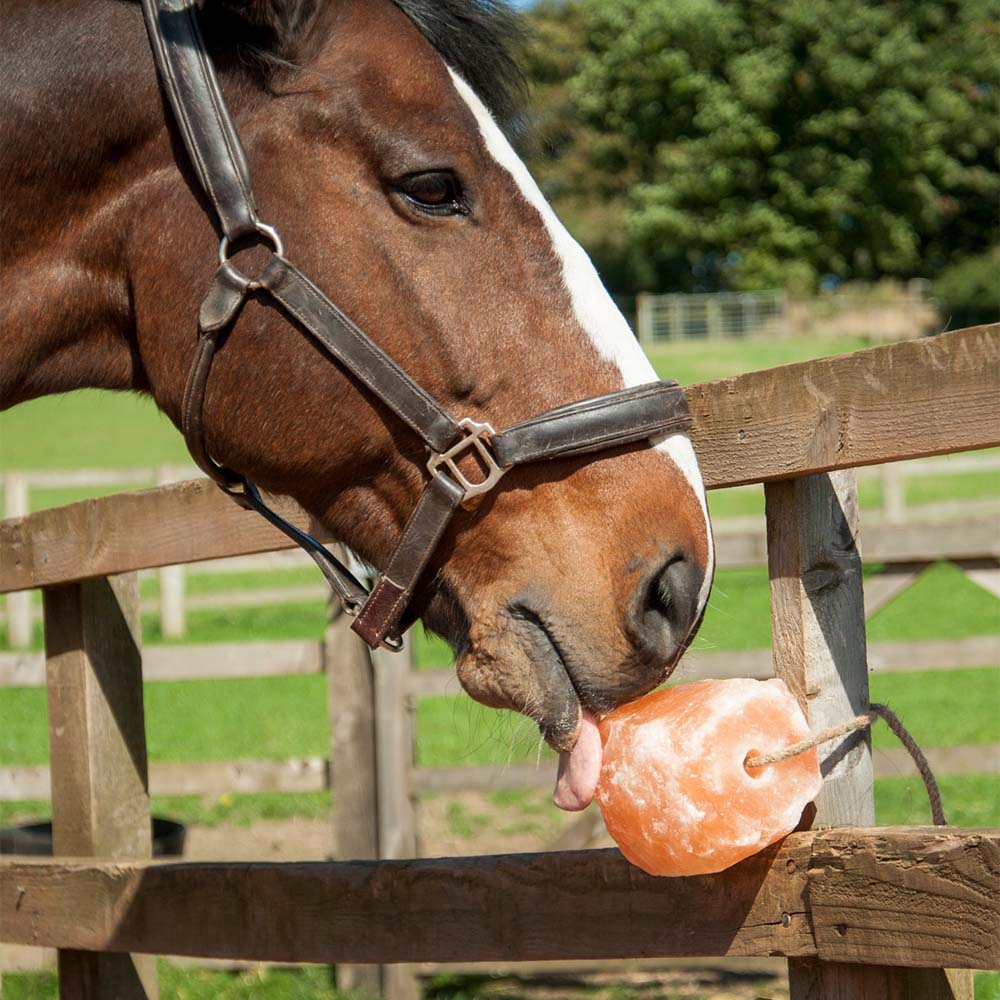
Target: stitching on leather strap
x: 433, y: 412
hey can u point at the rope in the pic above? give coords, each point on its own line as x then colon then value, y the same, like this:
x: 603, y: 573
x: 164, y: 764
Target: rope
x: 863, y: 721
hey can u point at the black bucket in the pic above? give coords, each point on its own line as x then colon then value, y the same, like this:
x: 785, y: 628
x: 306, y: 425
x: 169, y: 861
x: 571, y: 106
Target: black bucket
x: 36, y: 838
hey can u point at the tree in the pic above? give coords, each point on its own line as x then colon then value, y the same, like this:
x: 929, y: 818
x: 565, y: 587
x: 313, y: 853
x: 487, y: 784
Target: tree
x: 734, y: 143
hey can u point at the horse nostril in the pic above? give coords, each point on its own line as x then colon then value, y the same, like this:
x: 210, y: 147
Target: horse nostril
x: 669, y: 604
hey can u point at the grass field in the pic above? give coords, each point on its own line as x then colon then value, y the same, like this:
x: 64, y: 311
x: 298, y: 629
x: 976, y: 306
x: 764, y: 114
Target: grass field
x: 282, y: 717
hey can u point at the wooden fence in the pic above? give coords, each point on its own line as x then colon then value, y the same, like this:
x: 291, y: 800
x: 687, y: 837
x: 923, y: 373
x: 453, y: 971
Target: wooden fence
x: 736, y: 537
x: 313, y: 773
x: 858, y: 911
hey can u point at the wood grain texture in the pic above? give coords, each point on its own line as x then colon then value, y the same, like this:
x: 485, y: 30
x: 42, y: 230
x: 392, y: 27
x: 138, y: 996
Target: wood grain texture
x: 819, y: 644
x: 907, y: 400
x: 351, y: 702
x: 919, y: 397
x: 182, y: 523
x: 864, y: 902
x: 97, y: 741
x: 840, y: 981
x: 935, y: 886
x: 818, y: 628
x: 527, y: 906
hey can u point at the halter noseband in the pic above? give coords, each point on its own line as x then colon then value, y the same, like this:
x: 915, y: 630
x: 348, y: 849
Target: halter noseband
x: 590, y: 425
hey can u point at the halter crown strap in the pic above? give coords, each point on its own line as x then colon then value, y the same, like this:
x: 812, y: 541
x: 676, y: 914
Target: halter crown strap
x: 209, y: 135
x: 215, y: 151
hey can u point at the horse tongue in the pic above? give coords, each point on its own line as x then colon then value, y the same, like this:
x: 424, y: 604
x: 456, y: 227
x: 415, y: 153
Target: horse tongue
x: 580, y: 767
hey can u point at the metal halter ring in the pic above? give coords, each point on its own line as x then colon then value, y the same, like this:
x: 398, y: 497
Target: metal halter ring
x: 262, y: 229
x: 477, y: 437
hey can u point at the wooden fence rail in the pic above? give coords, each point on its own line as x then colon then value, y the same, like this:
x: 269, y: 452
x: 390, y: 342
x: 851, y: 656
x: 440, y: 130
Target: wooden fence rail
x: 859, y: 912
x: 887, y: 404
x: 918, y: 897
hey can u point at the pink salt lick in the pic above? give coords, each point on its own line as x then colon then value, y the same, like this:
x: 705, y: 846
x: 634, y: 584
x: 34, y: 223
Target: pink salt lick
x: 673, y: 788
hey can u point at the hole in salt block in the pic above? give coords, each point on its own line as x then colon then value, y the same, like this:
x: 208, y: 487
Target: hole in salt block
x: 754, y: 772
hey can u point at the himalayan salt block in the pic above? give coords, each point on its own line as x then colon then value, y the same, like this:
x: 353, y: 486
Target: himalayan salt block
x: 674, y: 790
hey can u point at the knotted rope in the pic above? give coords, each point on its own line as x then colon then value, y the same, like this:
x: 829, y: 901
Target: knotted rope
x: 864, y: 721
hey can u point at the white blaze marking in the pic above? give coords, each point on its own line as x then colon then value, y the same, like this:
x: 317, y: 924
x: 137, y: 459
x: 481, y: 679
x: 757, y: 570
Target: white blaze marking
x: 593, y: 307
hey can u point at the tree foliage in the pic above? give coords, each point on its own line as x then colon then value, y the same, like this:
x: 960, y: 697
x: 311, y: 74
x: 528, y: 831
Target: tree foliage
x: 702, y: 144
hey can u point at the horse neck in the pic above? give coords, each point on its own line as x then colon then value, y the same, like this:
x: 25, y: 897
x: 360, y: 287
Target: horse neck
x: 83, y: 127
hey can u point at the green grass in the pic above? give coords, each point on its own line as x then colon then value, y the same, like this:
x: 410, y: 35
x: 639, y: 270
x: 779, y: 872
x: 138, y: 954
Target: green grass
x: 942, y: 604
x: 262, y: 717
x: 941, y: 708
x: 970, y: 800
x: 237, y: 809
x: 694, y: 361
x: 88, y: 429
x: 314, y: 983
x: 180, y: 983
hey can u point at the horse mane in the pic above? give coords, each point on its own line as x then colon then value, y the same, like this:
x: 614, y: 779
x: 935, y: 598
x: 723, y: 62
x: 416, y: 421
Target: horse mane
x: 476, y: 38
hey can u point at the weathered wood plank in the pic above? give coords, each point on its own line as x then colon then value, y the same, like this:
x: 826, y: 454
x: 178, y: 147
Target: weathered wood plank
x: 584, y: 904
x: 182, y: 523
x: 589, y: 904
x: 819, y: 643
x: 351, y: 702
x: 834, y: 413
x: 97, y: 741
x: 818, y: 638
x: 818, y: 627
x: 863, y: 903
x: 397, y: 832
x: 921, y: 397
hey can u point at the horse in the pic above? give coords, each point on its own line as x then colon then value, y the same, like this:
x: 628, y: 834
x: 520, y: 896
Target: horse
x: 378, y: 133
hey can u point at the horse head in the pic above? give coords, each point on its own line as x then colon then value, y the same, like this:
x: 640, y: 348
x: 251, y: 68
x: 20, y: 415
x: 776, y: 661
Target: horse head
x: 374, y: 133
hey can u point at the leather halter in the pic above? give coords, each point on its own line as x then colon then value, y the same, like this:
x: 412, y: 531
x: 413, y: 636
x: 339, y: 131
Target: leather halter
x: 213, y: 145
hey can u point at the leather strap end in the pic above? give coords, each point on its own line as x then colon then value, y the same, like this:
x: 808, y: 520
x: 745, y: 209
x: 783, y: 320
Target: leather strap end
x: 380, y: 616
x: 224, y: 299
x: 596, y: 424
x: 381, y: 612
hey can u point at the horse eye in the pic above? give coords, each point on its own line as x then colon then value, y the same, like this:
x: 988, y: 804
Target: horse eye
x: 437, y: 192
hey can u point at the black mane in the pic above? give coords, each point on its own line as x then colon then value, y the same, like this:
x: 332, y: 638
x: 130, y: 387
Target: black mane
x: 476, y: 38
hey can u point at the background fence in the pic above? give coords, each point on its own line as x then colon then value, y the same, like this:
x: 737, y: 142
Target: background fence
x: 855, y: 910
x: 173, y: 602
x: 882, y: 313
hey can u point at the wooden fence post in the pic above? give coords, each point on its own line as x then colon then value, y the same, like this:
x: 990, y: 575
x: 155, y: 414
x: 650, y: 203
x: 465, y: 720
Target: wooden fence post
x: 352, y: 763
x: 173, y: 617
x: 818, y: 639
x: 97, y: 740
x: 394, y: 764
x: 19, y: 618
x: 644, y: 319
x: 893, y: 478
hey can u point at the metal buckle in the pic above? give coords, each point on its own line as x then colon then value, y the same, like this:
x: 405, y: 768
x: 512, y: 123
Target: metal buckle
x: 477, y: 437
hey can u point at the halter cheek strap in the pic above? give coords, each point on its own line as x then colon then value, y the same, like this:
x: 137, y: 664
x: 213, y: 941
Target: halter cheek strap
x: 213, y: 146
